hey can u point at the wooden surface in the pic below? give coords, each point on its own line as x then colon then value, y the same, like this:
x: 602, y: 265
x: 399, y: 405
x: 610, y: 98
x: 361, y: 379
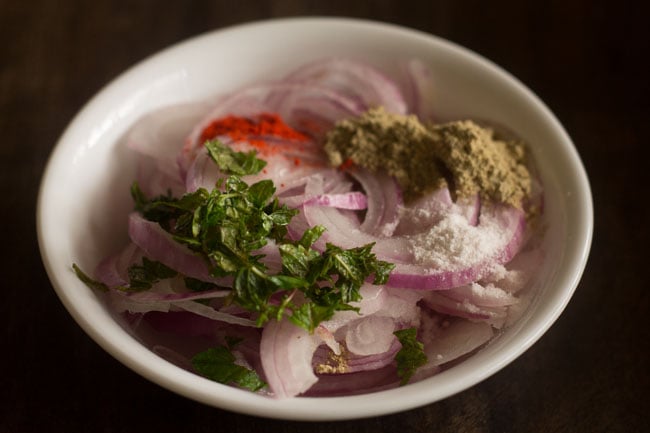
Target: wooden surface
x: 589, y: 373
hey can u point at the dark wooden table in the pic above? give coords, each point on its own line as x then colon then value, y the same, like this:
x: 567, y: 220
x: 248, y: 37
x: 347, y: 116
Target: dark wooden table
x: 585, y: 59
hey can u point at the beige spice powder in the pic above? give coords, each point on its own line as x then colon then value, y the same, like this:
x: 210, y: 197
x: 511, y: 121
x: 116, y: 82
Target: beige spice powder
x: 480, y: 163
x: 462, y: 155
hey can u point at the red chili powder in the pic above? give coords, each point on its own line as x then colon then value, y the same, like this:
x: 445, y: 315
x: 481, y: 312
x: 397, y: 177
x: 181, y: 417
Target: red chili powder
x: 253, y: 130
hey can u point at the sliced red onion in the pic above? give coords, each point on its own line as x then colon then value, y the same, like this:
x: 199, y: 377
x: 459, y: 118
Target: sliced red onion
x: 295, y: 193
x: 401, y: 305
x: 470, y: 208
x: 309, y: 107
x: 349, y: 77
x: 351, y: 200
x: 152, y: 296
x: 375, y: 361
x: 464, y: 309
x: 424, y: 212
x: 286, y: 353
x: 158, y: 137
x: 162, y: 296
x: 328, y: 338
x: 369, y: 333
x: 384, y: 199
x: 372, y: 300
x: 161, y: 134
x: 160, y: 246
x: 120, y: 304
x: 272, y: 258
x: 518, y: 272
x: 155, y: 182
x: 487, y: 295
x: 370, y: 336
x: 458, y: 338
x: 420, y: 92
x: 325, y: 364
x: 202, y: 173
x: 211, y: 313
x: 113, y: 270
x: 344, y: 230
x: 516, y: 311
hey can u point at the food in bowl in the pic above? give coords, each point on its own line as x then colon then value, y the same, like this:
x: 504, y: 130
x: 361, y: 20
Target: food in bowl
x: 323, y: 234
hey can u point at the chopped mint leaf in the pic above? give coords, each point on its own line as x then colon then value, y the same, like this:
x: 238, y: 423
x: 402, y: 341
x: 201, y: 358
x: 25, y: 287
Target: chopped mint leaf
x: 310, y: 236
x: 411, y: 356
x: 165, y: 209
x: 88, y: 281
x: 230, y: 224
x: 231, y: 162
x: 261, y: 192
x: 310, y: 314
x: 143, y: 277
x: 219, y: 364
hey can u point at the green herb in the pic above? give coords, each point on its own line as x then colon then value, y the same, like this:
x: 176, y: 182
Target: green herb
x: 228, y: 224
x: 219, y: 364
x: 90, y: 282
x: 143, y: 277
x: 165, y: 208
x: 411, y: 356
x: 230, y: 162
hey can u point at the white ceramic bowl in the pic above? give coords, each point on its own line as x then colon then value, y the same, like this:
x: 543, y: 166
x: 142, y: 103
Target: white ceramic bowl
x: 84, y: 196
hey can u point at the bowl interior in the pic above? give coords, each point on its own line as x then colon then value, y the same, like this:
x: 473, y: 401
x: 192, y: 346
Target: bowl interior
x: 84, y: 198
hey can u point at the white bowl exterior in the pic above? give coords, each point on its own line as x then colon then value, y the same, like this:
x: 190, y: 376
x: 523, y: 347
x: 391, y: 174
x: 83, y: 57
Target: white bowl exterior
x: 84, y: 196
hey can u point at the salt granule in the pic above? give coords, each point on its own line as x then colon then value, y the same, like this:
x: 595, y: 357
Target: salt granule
x: 453, y: 243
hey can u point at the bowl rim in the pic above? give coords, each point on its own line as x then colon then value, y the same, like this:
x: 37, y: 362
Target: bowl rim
x: 316, y: 408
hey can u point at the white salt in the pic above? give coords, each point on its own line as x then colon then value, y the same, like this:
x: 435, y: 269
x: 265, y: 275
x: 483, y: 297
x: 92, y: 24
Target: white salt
x: 454, y: 244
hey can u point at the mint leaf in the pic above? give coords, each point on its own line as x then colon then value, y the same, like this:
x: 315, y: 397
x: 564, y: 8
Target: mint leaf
x: 143, y: 277
x: 309, y: 315
x: 310, y: 236
x: 296, y: 259
x: 166, y: 209
x: 411, y: 356
x: 231, y: 162
x: 382, y: 271
x: 88, y: 281
x: 218, y: 364
x: 261, y: 192
x: 347, y: 269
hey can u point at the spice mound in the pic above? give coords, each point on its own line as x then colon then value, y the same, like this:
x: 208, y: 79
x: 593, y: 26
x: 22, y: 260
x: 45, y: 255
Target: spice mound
x: 461, y: 155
